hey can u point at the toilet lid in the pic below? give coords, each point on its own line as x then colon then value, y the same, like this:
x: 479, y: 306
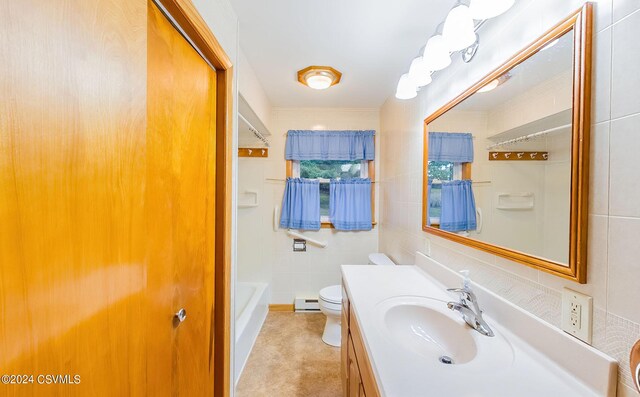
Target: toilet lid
x: 332, y: 294
x: 377, y: 258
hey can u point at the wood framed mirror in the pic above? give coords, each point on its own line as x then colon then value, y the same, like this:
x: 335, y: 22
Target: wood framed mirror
x: 526, y: 165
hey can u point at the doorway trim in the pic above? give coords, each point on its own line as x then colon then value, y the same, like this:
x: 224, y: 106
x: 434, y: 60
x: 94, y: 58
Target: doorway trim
x: 185, y: 14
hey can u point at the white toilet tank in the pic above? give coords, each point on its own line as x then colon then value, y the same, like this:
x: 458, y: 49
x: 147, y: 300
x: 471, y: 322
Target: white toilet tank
x: 378, y: 258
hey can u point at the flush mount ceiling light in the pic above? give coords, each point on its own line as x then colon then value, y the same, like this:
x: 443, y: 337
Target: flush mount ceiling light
x: 485, y: 9
x: 489, y: 87
x: 457, y: 33
x: 495, y: 83
x: 554, y: 42
x: 319, y: 77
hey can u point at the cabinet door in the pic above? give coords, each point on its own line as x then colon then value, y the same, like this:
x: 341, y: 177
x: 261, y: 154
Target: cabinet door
x: 180, y: 199
x: 344, y: 348
x: 72, y: 183
x: 354, y: 380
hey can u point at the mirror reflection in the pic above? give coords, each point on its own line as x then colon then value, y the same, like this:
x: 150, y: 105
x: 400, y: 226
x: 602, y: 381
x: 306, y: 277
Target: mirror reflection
x: 499, y: 163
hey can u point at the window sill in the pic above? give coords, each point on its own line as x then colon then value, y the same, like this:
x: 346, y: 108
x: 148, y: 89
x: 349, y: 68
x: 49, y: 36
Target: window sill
x: 329, y: 225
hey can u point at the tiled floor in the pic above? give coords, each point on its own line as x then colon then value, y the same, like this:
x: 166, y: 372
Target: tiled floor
x: 289, y: 359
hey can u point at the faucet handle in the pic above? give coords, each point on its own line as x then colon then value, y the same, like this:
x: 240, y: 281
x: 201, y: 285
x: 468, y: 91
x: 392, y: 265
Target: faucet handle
x: 465, y: 293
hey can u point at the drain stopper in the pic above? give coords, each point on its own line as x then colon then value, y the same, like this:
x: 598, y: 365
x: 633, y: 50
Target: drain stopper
x: 446, y: 360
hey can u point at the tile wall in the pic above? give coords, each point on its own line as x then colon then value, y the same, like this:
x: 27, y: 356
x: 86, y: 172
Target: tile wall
x: 614, y: 211
x: 265, y: 255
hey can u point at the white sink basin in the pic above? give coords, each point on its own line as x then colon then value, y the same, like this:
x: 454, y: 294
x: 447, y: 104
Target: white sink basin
x: 425, y: 327
x: 429, y: 331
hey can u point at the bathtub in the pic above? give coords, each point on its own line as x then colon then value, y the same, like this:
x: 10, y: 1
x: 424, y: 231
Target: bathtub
x: 251, y: 308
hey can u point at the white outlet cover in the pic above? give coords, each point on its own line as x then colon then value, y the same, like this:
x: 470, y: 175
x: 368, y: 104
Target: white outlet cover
x: 584, y: 330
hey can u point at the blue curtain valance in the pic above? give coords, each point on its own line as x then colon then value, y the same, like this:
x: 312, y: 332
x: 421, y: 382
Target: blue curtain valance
x: 301, y: 204
x: 330, y: 145
x: 458, y: 206
x: 455, y: 147
x: 350, y: 203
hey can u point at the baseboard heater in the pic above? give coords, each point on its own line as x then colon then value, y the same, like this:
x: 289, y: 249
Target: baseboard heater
x: 306, y: 305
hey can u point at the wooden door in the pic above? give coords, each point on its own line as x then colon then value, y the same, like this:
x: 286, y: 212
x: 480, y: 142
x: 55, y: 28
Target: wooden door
x: 72, y: 190
x: 180, y: 198
x: 107, y: 198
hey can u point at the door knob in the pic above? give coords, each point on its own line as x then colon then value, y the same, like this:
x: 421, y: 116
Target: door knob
x: 180, y: 316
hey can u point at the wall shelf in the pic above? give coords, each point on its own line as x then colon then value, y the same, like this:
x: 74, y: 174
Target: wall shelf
x: 557, y: 122
x: 515, y: 201
x: 249, y: 204
x: 251, y: 130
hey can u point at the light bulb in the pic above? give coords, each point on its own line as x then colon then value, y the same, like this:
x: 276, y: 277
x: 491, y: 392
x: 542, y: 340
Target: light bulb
x: 436, y: 54
x: 485, y: 9
x: 319, y: 81
x: 406, y: 88
x: 418, y: 73
x: 458, y: 30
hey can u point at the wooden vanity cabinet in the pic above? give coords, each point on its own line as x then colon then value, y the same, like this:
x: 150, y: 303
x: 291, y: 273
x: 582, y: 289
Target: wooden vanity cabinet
x: 357, y: 373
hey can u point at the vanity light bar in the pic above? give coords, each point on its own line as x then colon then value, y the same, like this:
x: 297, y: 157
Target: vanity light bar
x: 458, y: 30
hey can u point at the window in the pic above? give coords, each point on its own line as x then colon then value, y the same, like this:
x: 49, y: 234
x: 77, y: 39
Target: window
x: 328, y: 158
x: 324, y: 170
x: 440, y: 170
x: 437, y: 172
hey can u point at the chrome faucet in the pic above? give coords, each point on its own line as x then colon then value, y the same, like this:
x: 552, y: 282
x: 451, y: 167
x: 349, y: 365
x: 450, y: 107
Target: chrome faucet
x: 469, y: 309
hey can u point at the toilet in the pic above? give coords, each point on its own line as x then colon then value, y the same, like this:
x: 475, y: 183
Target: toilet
x: 330, y: 301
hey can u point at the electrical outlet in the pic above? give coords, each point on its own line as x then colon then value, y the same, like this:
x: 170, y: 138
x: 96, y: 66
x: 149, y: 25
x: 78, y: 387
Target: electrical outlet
x: 427, y: 247
x: 575, y: 315
x: 577, y: 310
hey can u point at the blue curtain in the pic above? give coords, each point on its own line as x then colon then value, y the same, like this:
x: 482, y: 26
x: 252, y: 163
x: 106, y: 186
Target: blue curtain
x: 350, y: 203
x: 301, y: 204
x: 458, y: 206
x: 330, y: 145
x: 455, y: 147
x: 434, y: 202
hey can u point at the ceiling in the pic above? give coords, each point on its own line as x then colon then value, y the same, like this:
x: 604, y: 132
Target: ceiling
x: 372, y: 42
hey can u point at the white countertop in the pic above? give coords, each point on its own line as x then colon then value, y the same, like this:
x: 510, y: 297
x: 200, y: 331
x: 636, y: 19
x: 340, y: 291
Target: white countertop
x: 532, y: 372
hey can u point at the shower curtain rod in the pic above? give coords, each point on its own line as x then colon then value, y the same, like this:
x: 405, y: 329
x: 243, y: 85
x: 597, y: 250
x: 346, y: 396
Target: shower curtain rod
x: 527, y: 137
x: 257, y: 133
x: 322, y: 180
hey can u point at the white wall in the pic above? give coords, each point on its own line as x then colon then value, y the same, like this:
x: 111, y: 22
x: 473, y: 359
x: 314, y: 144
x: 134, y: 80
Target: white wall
x: 545, y: 99
x: 251, y: 177
x: 266, y: 255
x: 614, y: 211
x: 250, y: 88
x: 544, y: 230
